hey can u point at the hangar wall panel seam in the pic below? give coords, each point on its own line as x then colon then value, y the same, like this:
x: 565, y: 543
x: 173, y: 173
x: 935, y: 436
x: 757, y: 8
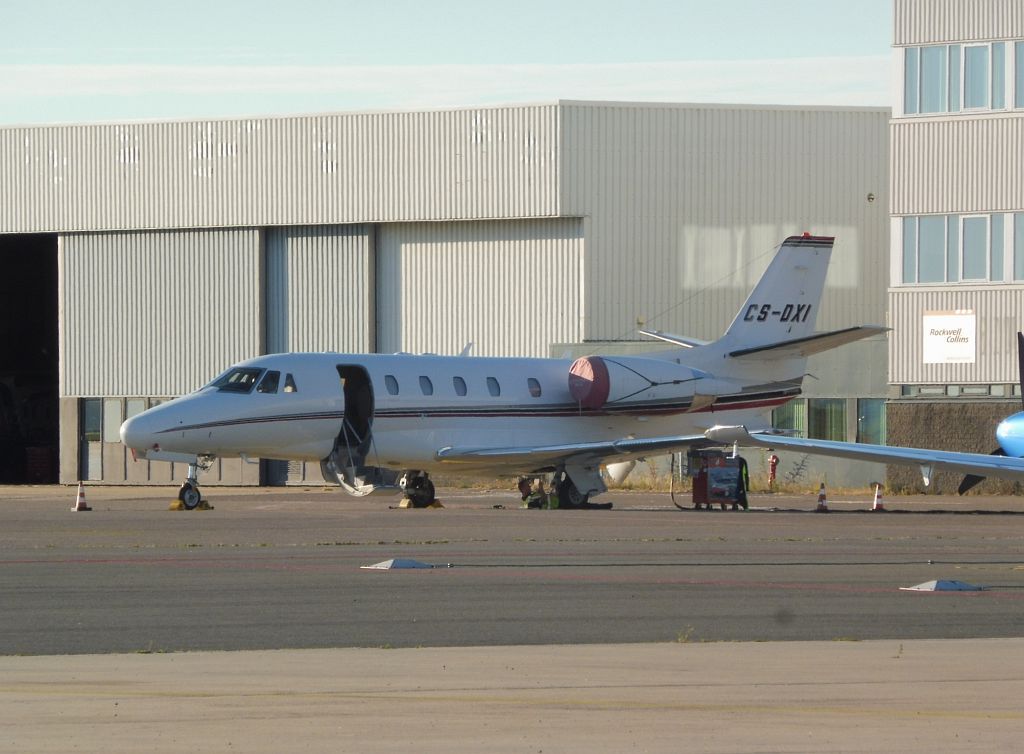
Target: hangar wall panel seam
x: 510, y: 287
x: 918, y: 22
x: 497, y: 162
x: 156, y: 314
x: 999, y: 310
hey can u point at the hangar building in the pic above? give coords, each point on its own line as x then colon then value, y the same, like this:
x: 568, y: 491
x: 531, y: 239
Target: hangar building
x: 956, y: 295
x: 140, y: 259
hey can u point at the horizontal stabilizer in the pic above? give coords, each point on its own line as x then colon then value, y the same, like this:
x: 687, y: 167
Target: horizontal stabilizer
x: 812, y: 344
x: 676, y: 340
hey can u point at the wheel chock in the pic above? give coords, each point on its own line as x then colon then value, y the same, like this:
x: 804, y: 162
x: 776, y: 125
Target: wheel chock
x: 177, y: 505
x: 407, y: 503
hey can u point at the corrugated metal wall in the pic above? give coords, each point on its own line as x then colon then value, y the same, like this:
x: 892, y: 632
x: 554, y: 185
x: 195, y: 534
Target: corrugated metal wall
x: 306, y: 170
x: 685, y: 204
x: 319, y: 287
x: 511, y: 287
x: 958, y: 164
x: 156, y: 314
x: 999, y: 311
x: 917, y: 22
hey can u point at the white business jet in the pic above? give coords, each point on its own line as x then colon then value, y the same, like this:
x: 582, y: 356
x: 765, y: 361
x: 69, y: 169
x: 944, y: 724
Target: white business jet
x: 383, y: 423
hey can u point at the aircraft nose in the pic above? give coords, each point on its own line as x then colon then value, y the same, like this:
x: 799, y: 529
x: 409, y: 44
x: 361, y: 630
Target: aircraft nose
x: 130, y: 433
x: 136, y: 432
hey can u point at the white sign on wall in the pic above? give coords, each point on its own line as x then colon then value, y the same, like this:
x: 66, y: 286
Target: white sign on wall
x: 949, y: 337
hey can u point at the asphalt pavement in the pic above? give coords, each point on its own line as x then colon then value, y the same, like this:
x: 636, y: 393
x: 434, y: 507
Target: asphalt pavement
x: 181, y: 617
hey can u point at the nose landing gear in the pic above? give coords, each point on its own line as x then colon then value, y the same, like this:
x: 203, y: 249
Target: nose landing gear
x: 189, y: 495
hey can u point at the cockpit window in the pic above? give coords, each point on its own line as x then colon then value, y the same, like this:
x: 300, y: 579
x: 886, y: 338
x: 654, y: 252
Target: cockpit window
x: 289, y: 384
x: 238, y: 380
x: 269, y: 382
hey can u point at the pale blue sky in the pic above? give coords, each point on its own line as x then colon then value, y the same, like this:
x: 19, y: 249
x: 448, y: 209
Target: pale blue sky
x: 102, y: 60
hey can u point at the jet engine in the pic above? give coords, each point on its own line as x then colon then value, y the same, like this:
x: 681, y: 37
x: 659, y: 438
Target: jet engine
x: 598, y: 381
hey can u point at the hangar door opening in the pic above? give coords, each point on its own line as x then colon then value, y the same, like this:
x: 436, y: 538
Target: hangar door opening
x: 29, y: 432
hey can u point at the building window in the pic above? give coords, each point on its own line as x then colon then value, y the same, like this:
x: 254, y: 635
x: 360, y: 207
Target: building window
x: 934, y: 85
x: 996, y: 245
x: 135, y: 406
x: 975, y: 248
x: 91, y: 442
x: 1018, y: 246
x: 826, y: 418
x: 910, y: 78
x: 871, y: 420
x: 112, y: 418
x: 493, y: 387
x: 534, y: 386
x: 1019, y: 76
x: 426, y: 386
x: 459, y: 384
x: 976, y: 87
x: 955, y: 248
x: 998, y: 75
x: 955, y: 78
x: 931, y: 254
x: 391, y: 384
x: 791, y: 416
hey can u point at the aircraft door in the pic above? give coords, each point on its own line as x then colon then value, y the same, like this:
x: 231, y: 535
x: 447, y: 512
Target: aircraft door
x: 355, y: 436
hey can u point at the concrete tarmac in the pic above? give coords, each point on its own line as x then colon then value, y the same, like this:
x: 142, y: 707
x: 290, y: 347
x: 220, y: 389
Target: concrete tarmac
x: 879, y: 696
x: 527, y: 643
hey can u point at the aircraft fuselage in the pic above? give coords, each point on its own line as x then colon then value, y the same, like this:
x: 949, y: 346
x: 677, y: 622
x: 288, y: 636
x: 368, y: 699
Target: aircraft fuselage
x: 416, y: 405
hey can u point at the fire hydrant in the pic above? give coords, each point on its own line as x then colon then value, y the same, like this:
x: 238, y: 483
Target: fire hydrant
x: 773, y: 465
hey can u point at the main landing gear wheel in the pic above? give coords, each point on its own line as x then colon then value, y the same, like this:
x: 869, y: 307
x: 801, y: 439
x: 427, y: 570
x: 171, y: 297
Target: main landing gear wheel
x: 568, y: 494
x: 189, y: 496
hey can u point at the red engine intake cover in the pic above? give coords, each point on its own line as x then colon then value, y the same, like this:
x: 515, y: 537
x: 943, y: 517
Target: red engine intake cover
x: 588, y: 381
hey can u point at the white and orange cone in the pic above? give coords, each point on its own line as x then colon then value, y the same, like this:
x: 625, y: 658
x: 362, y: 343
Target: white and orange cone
x: 822, y: 500
x: 80, y: 504
x: 877, y: 504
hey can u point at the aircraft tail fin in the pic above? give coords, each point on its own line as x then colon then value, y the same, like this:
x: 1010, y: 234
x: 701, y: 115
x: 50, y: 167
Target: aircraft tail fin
x: 784, y: 304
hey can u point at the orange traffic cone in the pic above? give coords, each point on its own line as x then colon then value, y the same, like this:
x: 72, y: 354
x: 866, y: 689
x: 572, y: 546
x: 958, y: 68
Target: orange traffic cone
x: 822, y: 501
x: 877, y: 504
x: 80, y: 504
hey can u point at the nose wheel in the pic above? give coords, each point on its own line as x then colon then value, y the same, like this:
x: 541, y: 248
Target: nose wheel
x: 189, y: 494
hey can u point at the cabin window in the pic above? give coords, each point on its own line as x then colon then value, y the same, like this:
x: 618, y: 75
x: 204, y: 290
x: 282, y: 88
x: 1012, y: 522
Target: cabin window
x: 289, y: 384
x: 460, y: 385
x: 238, y: 380
x: 269, y: 382
x: 534, y: 386
x: 426, y: 386
x: 391, y: 384
x: 493, y: 387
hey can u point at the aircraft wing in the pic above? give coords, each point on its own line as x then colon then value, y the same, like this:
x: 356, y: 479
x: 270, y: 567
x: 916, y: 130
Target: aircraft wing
x: 540, y: 457
x: 969, y: 463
